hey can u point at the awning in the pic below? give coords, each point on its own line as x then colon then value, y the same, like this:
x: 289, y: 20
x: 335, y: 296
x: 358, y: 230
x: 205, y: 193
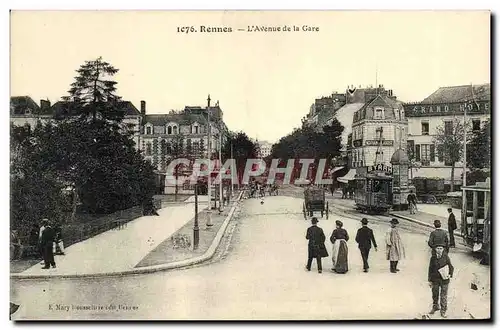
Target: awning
x: 335, y: 169
x: 349, y: 176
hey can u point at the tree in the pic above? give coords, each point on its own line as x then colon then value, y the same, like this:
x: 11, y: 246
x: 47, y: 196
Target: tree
x: 479, y: 148
x: 243, y: 149
x: 92, y: 93
x: 450, y: 141
x: 178, y: 151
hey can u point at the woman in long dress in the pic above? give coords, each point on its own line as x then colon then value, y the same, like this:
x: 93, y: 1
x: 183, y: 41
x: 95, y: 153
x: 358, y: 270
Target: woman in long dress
x: 339, y: 240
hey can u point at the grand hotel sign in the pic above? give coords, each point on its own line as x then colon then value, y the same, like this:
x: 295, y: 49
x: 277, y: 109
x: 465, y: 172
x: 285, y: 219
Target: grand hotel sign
x: 443, y: 109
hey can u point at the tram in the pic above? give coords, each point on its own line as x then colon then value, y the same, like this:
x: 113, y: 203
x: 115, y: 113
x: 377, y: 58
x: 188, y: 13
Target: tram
x: 476, y: 217
x: 373, y: 192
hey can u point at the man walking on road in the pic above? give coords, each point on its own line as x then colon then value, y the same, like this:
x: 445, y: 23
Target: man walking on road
x: 364, y: 238
x: 452, y: 226
x: 412, y: 202
x: 316, y: 247
x: 439, y: 237
x: 440, y: 272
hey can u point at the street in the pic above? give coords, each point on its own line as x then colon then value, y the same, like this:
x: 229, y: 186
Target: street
x: 263, y: 278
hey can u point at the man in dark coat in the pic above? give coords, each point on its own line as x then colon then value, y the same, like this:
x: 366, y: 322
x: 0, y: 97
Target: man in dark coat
x: 452, y: 226
x: 438, y: 237
x: 47, y: 241
x: 316, y: 247
x: 439, y: 274
x: 364, y: 238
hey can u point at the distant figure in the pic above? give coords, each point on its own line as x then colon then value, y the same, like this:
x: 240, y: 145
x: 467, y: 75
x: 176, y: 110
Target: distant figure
x: 394, y: 244
x: 344, y: 192
x: 16, y: 246
x: 47, y: 241
x: 412, y: 202
x: 439, y: 274
x: 148, y: 207
x: 439, y: 237
x: 365, y: 238
x: 332, y: 189
x: 316, y: 246
x: 452, y: 226
x: 58, y: 240
x: 339, y: 240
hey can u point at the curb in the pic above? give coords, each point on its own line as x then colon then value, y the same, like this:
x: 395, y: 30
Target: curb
x: 417, y: 222
x: 149, y: 269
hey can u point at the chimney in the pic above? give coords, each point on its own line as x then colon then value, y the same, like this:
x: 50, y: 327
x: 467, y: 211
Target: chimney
x: 44, y: 104
x: 143, y: 108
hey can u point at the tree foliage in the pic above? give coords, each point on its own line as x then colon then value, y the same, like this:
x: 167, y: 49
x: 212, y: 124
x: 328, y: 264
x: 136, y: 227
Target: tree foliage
x: 243, y: 149
x: 450, y: 144
x: 479, y: 148
x: 92, y: 94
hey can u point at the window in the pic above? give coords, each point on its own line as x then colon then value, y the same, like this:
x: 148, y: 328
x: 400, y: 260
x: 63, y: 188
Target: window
x: 427, y: 154
x: 175, y: 129
x: 476, y: 125
x: 148, y: 130
x: 448, y: 128
x: 148, y: 147
x: 195, y: 129
x: 379, y: 113
x: 189, y: 147
x: 169, y: 130
x: 196, y: 147
x: 169, y: 149
x: 425, y: 128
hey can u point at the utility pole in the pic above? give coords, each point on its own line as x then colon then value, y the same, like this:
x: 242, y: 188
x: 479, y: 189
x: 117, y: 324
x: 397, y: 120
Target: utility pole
x: 220, y: 168
x: 196, y: 228
x: 232, y: 173
x: 209, y: 178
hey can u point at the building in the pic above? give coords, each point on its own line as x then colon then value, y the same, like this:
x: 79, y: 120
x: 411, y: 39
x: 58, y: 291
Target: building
x: 24, y: 111
x: 189, y: 128
x: 379, y: 128
x: 264, y: 148
x: 442, y: 108
x: 324, y: 108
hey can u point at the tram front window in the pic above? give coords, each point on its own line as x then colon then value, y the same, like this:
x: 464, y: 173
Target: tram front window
x: 379, y: 186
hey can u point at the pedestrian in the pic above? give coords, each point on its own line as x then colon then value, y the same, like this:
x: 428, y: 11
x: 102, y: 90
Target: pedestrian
x: 440, y: 272
x: 316, y: 247
x: 365, y: 238
x: 344, y: 192
x: 452, y: 226
x: 58, y: 239
x: 394, y: 245
x: 412, y: 202
x: 47, y: 241
x: 339, y: 240
x: 439, y: 237
x: 40, y: 232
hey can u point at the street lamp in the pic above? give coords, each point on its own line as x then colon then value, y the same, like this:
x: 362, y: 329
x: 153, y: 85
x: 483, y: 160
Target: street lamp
x: 209, y: 153
x: 196, y: 228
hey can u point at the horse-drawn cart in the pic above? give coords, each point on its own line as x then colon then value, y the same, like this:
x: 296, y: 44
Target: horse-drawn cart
x: 314, y: 200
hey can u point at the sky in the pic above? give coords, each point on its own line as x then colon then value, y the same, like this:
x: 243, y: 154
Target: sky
x: 265, y: 82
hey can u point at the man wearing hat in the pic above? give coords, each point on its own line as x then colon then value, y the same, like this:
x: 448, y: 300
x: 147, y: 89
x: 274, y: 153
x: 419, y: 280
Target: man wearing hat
x: 364, y: 238
x: 438, y: 237
x: 47, y: 241
x: 394, y: 245
x: 439, y: 274
x: 316, y: 247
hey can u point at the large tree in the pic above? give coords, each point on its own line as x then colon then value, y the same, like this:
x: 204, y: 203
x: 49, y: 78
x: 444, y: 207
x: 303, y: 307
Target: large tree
x: 243, y: 148
x: 450, y: 141
x: 92, y: 94
x: 479, y: 148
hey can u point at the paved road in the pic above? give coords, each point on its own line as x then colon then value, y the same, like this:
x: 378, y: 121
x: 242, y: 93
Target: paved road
x: 262, y: 277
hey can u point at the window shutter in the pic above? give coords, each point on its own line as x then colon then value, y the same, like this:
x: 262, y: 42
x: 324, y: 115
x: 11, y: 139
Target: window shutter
x: 417, y: 152
x: 433, y: 151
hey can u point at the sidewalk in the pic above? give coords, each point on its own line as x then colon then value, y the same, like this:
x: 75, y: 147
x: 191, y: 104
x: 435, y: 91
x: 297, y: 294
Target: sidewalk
x: 120, y: 249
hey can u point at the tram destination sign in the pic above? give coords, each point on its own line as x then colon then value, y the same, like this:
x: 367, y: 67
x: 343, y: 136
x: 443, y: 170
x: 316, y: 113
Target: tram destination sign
x: 379, y: 168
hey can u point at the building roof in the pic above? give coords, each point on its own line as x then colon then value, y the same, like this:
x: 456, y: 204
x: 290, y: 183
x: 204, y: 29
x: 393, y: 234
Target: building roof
x: 65, y: 107
x: 180, y: 118
x: 18, y: 104
x: 459, y: 94
x: 367, y: 111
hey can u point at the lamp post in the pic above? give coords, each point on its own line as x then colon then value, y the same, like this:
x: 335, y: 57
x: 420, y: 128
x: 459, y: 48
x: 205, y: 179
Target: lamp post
x: 220, y: 173
x: 196, y: 228
x: 232, y: 173
x: 209, y: 153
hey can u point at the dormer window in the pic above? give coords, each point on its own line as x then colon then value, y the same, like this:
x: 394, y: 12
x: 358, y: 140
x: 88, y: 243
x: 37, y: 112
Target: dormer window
x: 169, y: 130
x: 378, y: 113
x: 148, y: 130
x: 175, y: 129
x: 27, y: 111
x: 195, y: 129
